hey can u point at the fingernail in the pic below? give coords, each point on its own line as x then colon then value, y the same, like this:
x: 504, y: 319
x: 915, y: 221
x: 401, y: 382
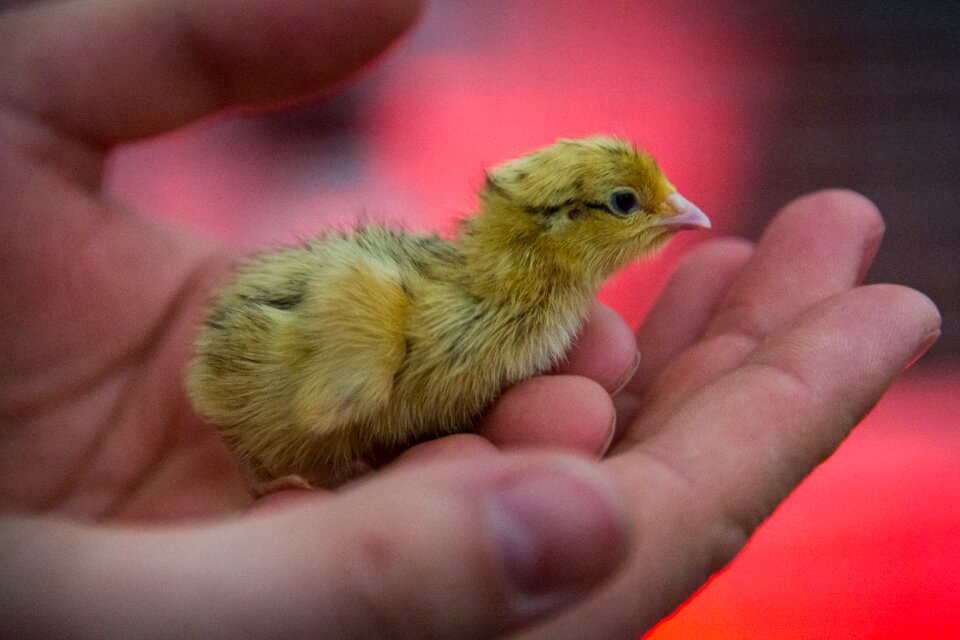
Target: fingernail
x: 627, y: 375
x: 612, y: 431
x: 870, y: 249
x: 557, y: 536
x: 922, y: 349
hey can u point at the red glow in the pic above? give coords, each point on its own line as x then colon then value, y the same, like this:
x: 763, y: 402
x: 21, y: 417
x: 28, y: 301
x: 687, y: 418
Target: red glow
x: 870, y: 545
x: 439, y: 111
x: 659, y: 77
x: 867, y: 547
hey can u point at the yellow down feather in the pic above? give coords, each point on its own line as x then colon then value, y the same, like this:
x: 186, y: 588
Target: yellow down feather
x: 315, y: 361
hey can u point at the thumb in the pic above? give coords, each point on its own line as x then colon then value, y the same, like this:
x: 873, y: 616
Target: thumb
x: 467, y: 549
x: 473, y: 549
x: 179, y: 60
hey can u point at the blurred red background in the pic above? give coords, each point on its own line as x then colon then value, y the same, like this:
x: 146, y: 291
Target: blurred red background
x: 869, y: 546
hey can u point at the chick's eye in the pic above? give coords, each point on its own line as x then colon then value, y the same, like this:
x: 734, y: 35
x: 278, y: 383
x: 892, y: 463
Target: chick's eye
x: 623, y: 201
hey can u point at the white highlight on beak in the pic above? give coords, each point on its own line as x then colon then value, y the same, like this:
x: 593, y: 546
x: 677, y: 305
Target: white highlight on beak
x: 681, y: 214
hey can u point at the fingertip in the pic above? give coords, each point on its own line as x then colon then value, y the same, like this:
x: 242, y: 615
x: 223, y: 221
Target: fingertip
x: 862, y: 211
x: 921, y: 322
x: 627, y: 375
x: 925, y: 309
x: 843, y: 209
x: 565, y: 412
x: 185, y: 60
x: 843, y: 201
x: 604, y: 350
x: 260, y: 54
x: 819, y: 245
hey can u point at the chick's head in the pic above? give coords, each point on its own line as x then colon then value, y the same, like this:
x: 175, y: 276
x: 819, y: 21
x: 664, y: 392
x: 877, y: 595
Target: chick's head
x: 596, y: 203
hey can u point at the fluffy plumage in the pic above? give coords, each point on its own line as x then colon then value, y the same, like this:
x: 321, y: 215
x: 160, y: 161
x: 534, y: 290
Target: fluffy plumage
x: 315, y: 360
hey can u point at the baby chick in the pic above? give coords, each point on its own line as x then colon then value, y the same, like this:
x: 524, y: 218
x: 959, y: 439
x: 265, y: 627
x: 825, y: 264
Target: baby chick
x: 313, y: 361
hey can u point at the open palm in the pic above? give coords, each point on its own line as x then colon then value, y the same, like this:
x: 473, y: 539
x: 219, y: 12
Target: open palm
x: 756, y: 363
x: 106, y: 300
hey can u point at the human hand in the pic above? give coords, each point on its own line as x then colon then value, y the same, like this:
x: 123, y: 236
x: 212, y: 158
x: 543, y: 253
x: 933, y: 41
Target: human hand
x: 96, y: 425
x: 757, y: 363
x: 104, y: 302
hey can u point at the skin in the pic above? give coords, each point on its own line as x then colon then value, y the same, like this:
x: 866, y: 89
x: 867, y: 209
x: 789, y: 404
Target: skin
x: 757, y: 363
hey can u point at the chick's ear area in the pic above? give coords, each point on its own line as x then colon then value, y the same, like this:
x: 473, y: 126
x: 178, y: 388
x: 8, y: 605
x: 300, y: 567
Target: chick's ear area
x: 542, y: 175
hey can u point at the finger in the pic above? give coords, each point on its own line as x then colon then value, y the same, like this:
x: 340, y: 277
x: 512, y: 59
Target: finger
x: 564, y: 412
x: 437, y: 551
x: 805, y: 387
x: 818, y: 246
x: 459, y: 446
x: 604, y: 350
x: 684, y: 308
x: 62, y: 251
x: 113, y: 70
x: 722, y: 463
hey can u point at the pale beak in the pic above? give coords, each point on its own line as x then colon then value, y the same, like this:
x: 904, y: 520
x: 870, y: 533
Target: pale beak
x: 679, y: 214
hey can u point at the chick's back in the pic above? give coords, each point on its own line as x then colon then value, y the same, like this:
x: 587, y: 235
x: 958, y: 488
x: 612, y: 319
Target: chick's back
x: 298, y: 357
